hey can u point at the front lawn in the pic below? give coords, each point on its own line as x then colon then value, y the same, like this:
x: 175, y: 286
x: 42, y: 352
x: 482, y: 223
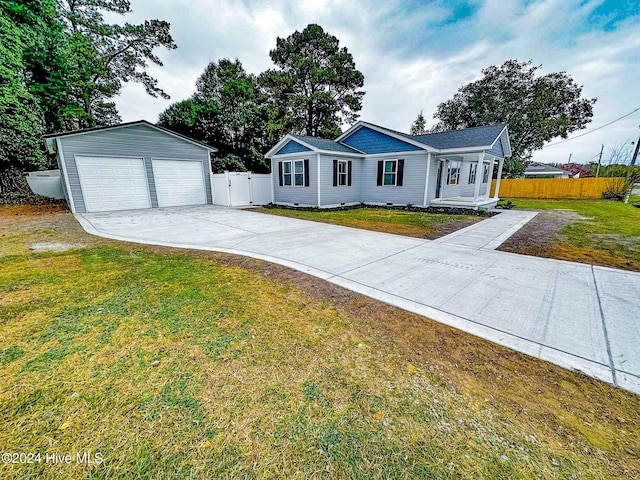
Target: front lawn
x: 180, y: 364
x: 400, y: 222
x: 601, y: 232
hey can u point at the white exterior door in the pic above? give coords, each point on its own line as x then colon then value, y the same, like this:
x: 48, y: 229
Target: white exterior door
x: 179, y: 182
x: 111, y: 183
x: 239, y: 188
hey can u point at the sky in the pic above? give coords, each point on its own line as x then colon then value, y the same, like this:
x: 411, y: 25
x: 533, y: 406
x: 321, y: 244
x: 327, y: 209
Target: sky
x: 416, y: 54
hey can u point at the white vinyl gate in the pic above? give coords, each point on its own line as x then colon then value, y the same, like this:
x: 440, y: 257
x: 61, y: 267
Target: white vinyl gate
x: 241, y: 189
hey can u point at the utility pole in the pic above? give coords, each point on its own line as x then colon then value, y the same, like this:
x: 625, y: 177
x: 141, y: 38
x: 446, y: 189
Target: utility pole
x: 628, y: 178
x: 569, y: 161
x: 599, y: 161
x: 635, y: 153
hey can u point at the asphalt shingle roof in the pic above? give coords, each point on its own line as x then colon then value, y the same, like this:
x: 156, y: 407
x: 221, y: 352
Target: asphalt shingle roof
x: 325, y: 144
x: 468, y: 137
x: 465, y: 138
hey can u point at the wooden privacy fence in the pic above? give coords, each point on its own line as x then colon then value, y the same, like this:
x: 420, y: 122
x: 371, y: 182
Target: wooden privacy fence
x: 553, y: 187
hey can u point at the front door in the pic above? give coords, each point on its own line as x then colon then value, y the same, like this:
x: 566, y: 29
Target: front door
x: 439, y: 178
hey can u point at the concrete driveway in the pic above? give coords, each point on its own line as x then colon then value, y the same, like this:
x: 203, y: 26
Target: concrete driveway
x: 574, y: 315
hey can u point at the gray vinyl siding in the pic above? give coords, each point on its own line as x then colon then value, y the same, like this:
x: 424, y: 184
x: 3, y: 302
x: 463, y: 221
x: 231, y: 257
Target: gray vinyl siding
x: 303, y: 196
x: 330, y: 195
x: 139, y: 141
x: 412, y: 189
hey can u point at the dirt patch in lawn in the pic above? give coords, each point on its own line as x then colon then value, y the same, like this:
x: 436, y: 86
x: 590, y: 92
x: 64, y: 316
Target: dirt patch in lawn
x: 8, y: 212
x: 451, y: 227
x: 539, y: 235
x: 40, y: 228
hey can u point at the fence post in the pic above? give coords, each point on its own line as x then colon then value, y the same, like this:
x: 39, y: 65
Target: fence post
x: 228, y: 183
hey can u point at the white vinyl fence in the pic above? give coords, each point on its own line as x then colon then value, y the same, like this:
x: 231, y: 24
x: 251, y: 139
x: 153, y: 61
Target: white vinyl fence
x: 241, y: 189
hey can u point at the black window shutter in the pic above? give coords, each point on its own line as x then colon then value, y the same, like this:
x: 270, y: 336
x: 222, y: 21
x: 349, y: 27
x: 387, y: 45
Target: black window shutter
x: 306, y: 173
x: 280, y: 172
x: 349, y: 170
x: 335, y: 173
x: 400, y: 172
x: 380, y: 169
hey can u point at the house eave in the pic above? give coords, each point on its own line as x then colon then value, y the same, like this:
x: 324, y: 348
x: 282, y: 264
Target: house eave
x: 272, y: 153
x: 55, y: 136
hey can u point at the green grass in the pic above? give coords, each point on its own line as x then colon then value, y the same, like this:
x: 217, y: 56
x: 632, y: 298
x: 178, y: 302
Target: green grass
x: 177, y: 364
x: 608, y: 234
x: 400, y: 222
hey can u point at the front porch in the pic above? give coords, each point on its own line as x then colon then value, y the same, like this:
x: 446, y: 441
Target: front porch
x: 464, y: 181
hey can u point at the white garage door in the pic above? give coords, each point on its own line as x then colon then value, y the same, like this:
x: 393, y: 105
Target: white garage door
x: 178, y: 182
x: 110, y: 183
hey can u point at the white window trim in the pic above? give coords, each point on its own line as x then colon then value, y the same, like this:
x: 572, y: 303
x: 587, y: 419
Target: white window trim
x: 450, y: 168
x: 344, y: 174
x: 394, y: 173
x: 292, y: 173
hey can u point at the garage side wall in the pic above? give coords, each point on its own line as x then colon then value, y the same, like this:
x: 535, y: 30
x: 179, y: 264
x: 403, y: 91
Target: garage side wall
x: 138, y: 141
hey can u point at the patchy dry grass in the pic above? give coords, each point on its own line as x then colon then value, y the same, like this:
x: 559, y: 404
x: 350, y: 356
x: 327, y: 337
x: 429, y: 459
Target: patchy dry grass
x: 177, y: 364
x: 399, y: 222
x: 605, y: 233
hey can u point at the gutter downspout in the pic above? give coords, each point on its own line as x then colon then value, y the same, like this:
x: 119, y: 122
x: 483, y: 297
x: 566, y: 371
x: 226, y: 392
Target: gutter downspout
x: 318, y: 179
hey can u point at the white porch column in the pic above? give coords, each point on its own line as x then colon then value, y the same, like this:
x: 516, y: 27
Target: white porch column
x: 426, y: 180
x: 443, y: 177
x: 487, y: 194
x: 479, y: 169
x: 500, y: 165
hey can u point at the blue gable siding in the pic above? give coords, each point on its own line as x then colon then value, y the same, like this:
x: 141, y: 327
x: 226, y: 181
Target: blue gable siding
x: 497, y: 149
x: 292, y: 147
x: 370, y: 141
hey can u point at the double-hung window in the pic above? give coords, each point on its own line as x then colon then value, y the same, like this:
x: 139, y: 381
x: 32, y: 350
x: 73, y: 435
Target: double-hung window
x: 453, y: 173
x: 286, y: 173
x: 342, y: 173
x: 473, y: 171
x: 298, y: 167
x: 390, y: 172
x: 485, y: 173
x: 293, y: 173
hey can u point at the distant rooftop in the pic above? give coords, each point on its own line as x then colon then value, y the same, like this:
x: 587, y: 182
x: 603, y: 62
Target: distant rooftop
x: 543, y: 167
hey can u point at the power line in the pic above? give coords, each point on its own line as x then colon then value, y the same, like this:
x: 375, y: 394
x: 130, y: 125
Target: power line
x: 591, y: 131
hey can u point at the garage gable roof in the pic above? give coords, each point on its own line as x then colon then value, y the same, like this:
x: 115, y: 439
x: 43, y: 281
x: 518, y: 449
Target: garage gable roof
x: 129, y: 124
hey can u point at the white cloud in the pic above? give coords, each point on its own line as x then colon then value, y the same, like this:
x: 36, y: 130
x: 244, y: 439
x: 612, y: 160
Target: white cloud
x: 412, y: 56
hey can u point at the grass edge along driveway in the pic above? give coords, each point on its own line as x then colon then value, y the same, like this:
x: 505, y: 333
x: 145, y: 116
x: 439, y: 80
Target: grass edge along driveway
x: 386, y: 220
x: 181, y: 364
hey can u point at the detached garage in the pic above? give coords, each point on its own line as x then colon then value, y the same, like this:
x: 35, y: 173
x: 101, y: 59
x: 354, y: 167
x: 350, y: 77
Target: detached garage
x: 131, y: 166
